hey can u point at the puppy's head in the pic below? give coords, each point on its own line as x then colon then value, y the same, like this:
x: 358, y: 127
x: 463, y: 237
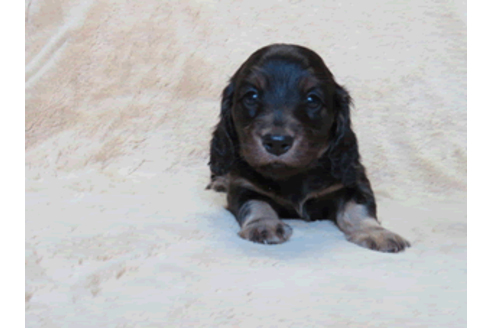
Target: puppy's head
x: 281, y: 111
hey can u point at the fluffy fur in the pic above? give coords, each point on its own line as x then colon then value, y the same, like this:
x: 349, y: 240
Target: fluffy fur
x: 287, y: 91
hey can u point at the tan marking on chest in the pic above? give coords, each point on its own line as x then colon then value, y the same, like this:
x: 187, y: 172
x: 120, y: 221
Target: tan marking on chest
x: 282, y: 201
x: 319, y: 193
x: 248, y: 185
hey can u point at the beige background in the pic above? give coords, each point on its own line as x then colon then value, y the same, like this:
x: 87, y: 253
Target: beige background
x: 121, y: 97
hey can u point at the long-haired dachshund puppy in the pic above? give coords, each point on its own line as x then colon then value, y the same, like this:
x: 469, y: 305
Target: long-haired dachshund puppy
x: 284, y: 148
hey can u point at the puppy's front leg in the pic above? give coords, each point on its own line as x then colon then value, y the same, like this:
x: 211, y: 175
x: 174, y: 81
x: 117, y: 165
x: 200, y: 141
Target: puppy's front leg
x: 260, y: 223
x: 364, y: 230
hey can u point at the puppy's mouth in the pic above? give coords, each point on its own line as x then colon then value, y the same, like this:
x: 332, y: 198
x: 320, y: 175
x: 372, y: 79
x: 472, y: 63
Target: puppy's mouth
x: 276, y: 165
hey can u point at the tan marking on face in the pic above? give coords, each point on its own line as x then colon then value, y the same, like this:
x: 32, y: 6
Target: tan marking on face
x: 303, y: 152
x: 257, y: 78
x: 307, y: 83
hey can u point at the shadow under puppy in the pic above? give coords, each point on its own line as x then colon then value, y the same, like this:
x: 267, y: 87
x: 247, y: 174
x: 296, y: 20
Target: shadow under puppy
x: 284, y: 148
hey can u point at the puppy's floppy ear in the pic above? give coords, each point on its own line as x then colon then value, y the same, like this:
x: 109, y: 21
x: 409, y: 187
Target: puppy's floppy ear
x: 343, y: 154
x: 342, y: 106
x: 223, y: 150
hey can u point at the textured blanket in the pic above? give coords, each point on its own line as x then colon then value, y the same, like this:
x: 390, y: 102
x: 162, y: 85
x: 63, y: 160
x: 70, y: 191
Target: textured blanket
x: 121, y: 98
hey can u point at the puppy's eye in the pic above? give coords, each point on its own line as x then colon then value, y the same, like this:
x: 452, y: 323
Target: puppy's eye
x: 251, y: 98
x: 313, y: 101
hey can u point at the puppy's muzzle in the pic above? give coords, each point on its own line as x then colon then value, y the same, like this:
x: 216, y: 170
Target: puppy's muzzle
x: 277, y: 144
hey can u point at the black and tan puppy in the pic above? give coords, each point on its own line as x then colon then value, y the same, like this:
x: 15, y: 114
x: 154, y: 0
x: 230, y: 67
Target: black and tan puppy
x: 284, y: 148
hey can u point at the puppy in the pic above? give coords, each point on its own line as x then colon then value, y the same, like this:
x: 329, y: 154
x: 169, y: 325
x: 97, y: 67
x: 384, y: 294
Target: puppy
x: 284, y: 148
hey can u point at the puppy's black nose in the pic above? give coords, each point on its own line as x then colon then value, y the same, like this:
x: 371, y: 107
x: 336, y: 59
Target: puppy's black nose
x: 277, y: 144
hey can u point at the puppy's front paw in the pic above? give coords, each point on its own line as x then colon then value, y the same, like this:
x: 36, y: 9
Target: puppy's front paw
x: 379, y: 239
x: 266, y: 231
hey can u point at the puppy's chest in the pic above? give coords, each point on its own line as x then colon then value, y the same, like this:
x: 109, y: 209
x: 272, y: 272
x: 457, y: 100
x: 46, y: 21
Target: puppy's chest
x: 304, y: 196
x: 308, y: 195
x: 293, y: 192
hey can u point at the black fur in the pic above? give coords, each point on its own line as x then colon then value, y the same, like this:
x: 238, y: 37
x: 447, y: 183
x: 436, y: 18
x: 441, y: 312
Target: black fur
x: 329, y: 157
x: 223, y: 146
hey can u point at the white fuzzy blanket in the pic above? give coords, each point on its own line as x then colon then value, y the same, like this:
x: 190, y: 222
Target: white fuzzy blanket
x: 121, y: 98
